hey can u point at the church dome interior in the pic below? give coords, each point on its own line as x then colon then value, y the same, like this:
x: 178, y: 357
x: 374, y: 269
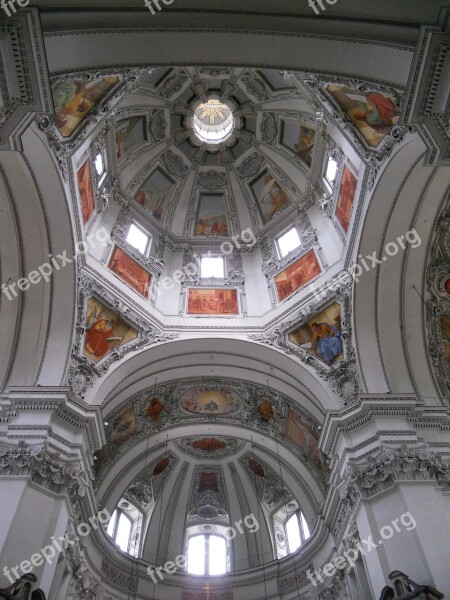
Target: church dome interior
x: 225, y: 300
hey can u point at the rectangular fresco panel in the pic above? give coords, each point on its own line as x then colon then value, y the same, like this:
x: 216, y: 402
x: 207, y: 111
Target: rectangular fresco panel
x: 299, y: 139
x: 270, y: 196
x: 74, y: 99
x: 212, y: 302
x: 86, y: 191
x: 321, y: 336
x: 373, y: 113
x: 105, y: 331
x: 211, y: 216
x: 129, y: 134
x: 130, y: 271
x: 297, y: 275
x: 346, y: 198
x: 123, y: 427
x: 154, y: 194
x: 303, y: 437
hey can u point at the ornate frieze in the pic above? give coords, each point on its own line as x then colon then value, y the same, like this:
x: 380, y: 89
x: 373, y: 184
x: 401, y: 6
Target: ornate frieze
x: 120, y: 578
x: 438, y: 313
x: 381, y: 470
x: 46, y: 470
x: 173, y: 84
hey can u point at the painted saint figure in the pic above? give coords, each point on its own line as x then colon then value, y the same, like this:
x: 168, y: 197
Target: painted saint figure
x: 327, y: 340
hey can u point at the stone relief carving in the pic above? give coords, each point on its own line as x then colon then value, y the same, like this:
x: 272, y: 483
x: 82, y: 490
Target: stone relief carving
x: 175, y: 165
x: 172, y: 84
x: 268, y: 128
x: 381, y: 470
x: 50, y: 471
x: 118, y: 577
x: 212, y: 180
x: 438, y: 313
x: 254, y: 86
x: 158, y: 125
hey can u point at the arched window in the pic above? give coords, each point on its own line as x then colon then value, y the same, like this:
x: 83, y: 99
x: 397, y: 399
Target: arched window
x: 297, y: 531
x: 125, y: 527
x: 207, y: 554
x: 119, y: 529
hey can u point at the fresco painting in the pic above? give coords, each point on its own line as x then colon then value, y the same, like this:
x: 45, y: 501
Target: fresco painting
x: 303, y: 437
x: 321, y: 336
x: 210, y: 444
x: 130, y: 133
x: 211, y: 216
x: 154, y: 409
x: 212, y: 302
x: 346, y: 198
x: 208, y: 482
x: 204, y: 401
x: 123, y: 427
x: 299, y: 139
x: 74, y: 99
x: 373, y: 113
x: 297, y: 275
x: 131, y: 272
x: 270, y: 196
x: 105, y: 331
x: 155, y: 193
x: 86, y: 191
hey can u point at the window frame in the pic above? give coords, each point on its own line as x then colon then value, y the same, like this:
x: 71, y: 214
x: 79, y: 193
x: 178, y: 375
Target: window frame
x: 142, y: 229
x: 102, y: 175
x: 224, y: 262
x: 303, y: 537
x: 330, y: 183
x: 113, y: 536
x: 207, y: 556
x: 280, y: 235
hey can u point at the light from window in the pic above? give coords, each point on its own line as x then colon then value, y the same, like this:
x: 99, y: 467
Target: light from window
x: 119, y: 529
x: 123, y: 532
x: 331, y: 171
x: 99, y: 164
x: 217, y: 555
x: 305, y: 528
x: 297, y: 531
x: 137, y: 238
x: 207, y: 555
x: 196, y: 555
x: 288, y: 241
x: 212, y: 266
x: 293, y: 533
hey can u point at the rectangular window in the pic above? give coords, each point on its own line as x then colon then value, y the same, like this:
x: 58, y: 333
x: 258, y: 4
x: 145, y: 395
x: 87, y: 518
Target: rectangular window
x: 100, y: 164
x: 139, y: 239
x: 331, y: 172
x: 288, y: 241
x: 212, y: 266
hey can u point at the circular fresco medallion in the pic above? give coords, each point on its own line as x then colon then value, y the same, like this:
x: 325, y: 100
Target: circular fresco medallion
x: 205, y: 401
